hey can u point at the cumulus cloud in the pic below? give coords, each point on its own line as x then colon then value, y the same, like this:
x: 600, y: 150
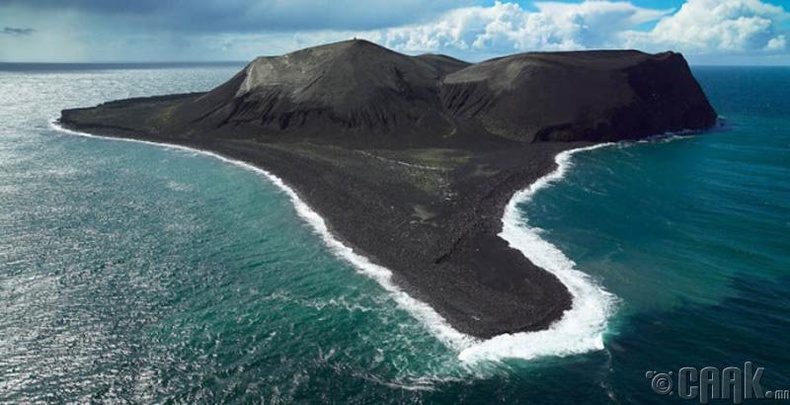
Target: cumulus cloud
x: 242, y: 29
x: 710, y: 26
x: 505, y: 27
x: 699, y: 26
x: 17, y: 31
x: 778, y: 43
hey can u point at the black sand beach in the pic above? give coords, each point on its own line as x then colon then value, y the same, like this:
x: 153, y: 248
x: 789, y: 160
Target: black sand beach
x: 411, y: 160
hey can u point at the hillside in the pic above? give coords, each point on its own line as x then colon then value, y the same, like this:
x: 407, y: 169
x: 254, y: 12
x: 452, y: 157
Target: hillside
x: 412, y: 159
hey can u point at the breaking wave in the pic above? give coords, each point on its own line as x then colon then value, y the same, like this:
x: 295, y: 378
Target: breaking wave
x: 580, y: 329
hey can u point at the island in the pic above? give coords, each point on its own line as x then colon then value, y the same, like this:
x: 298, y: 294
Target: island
x: 411, y: 160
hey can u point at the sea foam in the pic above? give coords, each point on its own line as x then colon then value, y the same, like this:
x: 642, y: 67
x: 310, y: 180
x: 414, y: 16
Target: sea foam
x: 580, y: 329
x: 420, y: 310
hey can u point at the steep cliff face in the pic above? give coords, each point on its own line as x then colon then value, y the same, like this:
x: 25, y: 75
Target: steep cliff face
x: 411, y: 160
x: 579, y: 96
x: 356, y: 86
x: 361, y: 94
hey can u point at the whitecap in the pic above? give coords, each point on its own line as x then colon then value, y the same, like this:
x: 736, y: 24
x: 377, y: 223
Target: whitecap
x: 580, y: 329
x: 420, y: 310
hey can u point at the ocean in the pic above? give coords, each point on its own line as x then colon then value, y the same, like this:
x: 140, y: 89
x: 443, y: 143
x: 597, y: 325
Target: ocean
x: 132, y: 272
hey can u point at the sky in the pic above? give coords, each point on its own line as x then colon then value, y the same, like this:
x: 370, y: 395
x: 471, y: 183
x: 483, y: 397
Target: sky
x: 724, y: 32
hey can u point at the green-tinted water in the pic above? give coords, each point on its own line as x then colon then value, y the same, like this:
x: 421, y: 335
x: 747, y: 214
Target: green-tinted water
x: 131, y: 272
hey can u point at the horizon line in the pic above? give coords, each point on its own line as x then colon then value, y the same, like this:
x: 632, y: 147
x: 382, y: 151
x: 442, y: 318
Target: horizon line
x: 241, y: 62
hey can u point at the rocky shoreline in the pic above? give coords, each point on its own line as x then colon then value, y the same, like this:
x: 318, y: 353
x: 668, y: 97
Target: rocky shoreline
x: 416, y: 177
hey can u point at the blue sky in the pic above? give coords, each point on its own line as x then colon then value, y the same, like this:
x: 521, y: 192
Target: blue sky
x: 706, y: 31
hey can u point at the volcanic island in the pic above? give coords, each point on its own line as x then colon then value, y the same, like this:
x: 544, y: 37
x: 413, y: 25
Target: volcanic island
x: 411, y: 160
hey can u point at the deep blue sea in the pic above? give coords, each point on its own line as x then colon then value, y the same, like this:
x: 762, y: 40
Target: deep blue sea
x: 135, y: 273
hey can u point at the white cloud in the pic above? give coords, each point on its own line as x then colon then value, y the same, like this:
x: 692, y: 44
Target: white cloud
x: 702, y: 28
x: 714, y: 26
x: 506, y: 27
x: 777, y: 43
x: 699, y: 26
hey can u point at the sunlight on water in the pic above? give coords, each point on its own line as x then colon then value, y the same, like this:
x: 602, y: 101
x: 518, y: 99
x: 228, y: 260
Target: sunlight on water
x: 129, y: 272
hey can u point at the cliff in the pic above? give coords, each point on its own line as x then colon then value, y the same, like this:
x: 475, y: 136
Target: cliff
x: 411, y: 160
x: 359, y: 93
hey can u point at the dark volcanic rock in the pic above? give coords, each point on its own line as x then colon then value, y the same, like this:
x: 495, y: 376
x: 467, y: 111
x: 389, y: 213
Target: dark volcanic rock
x: 579, y: 96
x: 349, y: 87
x: 359, y: 91
x: 411, y: 159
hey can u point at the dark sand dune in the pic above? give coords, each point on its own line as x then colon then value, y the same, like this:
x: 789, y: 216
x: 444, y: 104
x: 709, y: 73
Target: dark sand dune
x: 412, y: 159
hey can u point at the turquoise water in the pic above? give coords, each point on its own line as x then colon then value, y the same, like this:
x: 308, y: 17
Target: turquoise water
x: 135, y: 273
x: 691, y: 234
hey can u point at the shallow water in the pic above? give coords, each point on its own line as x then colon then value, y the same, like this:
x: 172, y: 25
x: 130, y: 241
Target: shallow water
x: 134, y: 272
